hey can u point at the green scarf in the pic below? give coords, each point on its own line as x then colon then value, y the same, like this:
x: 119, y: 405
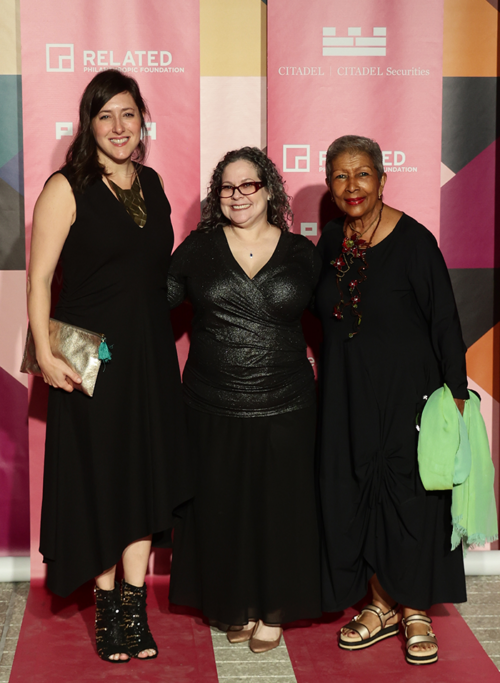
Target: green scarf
x: 453, y: 453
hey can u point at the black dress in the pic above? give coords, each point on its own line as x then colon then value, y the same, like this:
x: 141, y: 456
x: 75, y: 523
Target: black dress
x: 115, y: 464
x: 248, y: 546
x: 377, y: 517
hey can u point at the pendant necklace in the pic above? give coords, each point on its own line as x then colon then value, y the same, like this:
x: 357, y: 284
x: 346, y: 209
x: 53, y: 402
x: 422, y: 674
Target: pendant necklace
x: 251, y: 252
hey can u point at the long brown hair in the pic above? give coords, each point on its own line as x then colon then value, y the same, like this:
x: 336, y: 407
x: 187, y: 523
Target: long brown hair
x: 82, y: 162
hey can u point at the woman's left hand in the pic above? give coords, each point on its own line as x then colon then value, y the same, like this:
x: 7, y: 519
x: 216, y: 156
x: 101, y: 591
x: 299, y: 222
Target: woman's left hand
x: 460, y: 403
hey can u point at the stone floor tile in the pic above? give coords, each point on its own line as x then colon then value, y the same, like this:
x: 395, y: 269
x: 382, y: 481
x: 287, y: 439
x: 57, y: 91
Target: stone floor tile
x: 492, y: 647
x: 14, y: 630
x: 4, y: 673
x: 259, y: 667
x: 7, y: 658
x: 238, y: 653
x: 23, y: 588
x: 16, y: 619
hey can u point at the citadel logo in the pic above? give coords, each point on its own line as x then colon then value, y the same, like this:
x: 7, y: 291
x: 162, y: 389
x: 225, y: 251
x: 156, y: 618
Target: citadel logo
x: 60, y: 57
x: 354, y: 44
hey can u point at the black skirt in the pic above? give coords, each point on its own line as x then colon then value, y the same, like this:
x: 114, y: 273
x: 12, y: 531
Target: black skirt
x: 247, y: 546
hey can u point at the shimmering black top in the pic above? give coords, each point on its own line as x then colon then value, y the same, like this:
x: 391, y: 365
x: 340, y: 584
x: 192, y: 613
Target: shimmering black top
x: 248, y: 355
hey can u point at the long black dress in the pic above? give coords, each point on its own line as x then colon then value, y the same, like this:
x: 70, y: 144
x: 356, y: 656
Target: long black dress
x: 248, y: 546
x: 377, y: 517
x: 115, y: 464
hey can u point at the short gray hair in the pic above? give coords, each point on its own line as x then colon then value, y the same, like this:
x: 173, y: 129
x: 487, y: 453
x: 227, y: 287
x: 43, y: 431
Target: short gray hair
x: 354, y: 144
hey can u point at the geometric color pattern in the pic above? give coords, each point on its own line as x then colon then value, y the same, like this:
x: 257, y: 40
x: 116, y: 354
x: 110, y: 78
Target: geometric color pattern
x: 233, y: 113
x: 470, y: 199
x: 14, y: 481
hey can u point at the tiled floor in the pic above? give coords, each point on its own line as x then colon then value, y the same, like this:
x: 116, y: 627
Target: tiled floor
x: 236, y: 664
x: 12, y: 603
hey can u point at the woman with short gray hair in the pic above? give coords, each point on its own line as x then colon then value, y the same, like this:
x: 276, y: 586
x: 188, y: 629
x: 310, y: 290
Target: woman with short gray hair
x: 391, y: 337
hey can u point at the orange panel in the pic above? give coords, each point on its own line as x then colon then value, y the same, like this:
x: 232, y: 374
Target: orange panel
x: 483, y: 362
x: 470, y: 38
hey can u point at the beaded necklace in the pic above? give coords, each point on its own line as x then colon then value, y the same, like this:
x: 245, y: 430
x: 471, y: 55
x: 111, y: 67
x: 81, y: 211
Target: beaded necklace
x: 352, y: 247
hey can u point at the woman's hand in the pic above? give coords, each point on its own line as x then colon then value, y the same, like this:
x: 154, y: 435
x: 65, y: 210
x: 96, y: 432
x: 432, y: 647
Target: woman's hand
x: 56, y: 373
x: 460, y: 403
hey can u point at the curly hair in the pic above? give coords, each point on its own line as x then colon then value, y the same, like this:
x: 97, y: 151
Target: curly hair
x: 82, y: 162
x: 354, y: 144
x: 279, y: 212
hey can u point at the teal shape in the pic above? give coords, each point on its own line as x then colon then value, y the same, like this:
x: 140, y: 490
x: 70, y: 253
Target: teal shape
x: 12, y: 173
x: 11, y: 131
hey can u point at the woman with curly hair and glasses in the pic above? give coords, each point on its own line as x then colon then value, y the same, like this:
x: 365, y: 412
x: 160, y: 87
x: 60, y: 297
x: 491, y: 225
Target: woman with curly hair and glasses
x: 249, y: 390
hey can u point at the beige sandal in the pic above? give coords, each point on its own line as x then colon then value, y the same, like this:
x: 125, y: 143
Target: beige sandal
x: 422, y: 658
x: 369, y: 638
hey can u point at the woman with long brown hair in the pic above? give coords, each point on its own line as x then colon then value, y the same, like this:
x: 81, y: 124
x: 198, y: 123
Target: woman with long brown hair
x: 114, y: 463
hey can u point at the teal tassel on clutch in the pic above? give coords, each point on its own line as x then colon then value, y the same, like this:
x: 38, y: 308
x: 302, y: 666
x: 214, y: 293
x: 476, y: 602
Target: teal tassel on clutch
x: 104, y: 352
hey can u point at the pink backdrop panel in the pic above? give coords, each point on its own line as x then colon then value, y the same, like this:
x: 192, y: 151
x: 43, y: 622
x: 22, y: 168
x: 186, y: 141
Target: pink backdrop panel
x: 367, y: 68
x: 63, y: 46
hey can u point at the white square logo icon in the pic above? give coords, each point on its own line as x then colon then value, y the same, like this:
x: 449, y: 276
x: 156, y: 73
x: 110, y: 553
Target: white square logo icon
x: 60, y: 57
x: 296, y: 158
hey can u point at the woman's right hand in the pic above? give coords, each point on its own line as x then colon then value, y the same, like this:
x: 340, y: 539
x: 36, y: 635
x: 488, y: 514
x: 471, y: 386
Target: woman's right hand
x: 56, y: 373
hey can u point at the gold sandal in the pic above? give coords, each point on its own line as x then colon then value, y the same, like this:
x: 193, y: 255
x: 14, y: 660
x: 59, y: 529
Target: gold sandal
x: 369, y: 638
x: 422, y: 658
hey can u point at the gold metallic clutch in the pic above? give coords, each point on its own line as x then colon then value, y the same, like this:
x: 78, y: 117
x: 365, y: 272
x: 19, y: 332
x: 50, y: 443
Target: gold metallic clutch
x: 81, y: 349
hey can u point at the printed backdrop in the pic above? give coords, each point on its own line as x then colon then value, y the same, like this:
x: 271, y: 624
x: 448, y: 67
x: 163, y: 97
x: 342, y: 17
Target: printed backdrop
x: 233, y: 113
x: 369, y: 68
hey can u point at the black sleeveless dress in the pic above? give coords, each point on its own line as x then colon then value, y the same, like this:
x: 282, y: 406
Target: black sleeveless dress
x: 115, y: 465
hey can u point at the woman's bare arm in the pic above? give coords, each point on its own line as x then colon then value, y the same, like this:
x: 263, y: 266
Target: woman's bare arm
x: 55, y: 212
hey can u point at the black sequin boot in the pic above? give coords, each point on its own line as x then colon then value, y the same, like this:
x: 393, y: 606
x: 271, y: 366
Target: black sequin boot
x: 137, y: 634
x: 109, y: 631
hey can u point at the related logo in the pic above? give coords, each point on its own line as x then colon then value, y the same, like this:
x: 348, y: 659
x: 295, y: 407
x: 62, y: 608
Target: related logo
x: 64, y: 129
x: 296, y: 158
x: 60, y: 57
x: 354, y: 44
x: 148, y: 60
x: 309, y: 229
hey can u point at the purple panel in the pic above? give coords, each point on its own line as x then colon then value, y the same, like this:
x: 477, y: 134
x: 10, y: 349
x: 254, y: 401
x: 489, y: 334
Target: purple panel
x: 14, y: 475
x: 467, y: 237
